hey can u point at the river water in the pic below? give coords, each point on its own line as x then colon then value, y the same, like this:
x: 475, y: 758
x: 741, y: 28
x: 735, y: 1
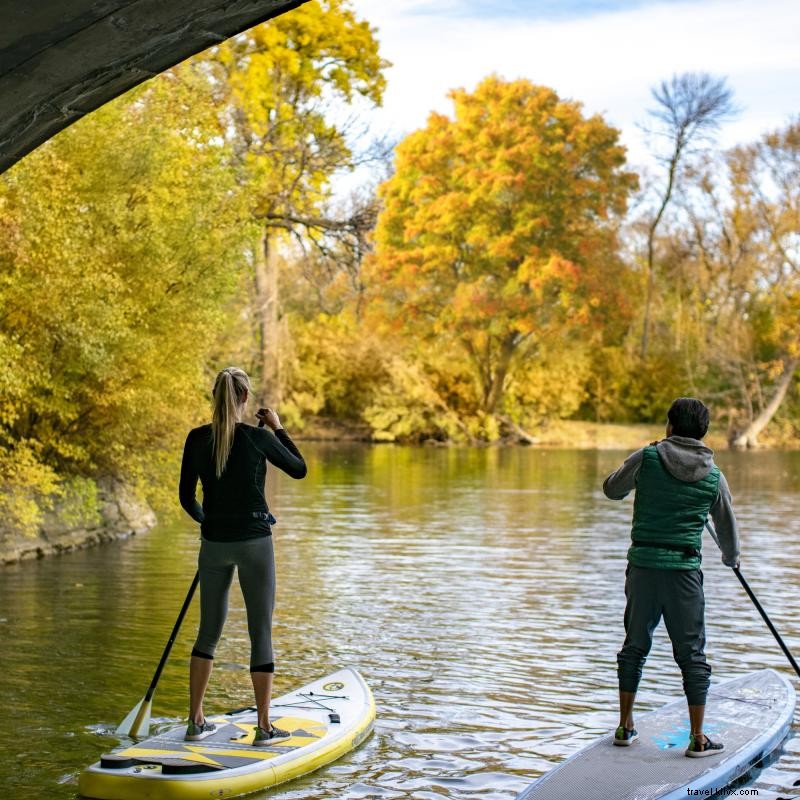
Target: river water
x: 479, y: 592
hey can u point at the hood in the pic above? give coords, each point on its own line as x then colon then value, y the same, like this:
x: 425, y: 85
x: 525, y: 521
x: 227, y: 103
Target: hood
x: 686, y: 459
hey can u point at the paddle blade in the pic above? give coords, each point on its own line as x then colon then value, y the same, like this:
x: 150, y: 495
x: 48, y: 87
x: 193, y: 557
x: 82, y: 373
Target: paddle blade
x: 137, y: 723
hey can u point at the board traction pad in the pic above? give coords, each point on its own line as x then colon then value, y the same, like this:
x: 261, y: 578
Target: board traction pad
x: 655, y: 765
x: 229, y: 747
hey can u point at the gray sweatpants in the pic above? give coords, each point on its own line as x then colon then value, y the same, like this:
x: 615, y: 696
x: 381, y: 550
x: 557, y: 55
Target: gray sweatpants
x: 678, y: 596
x: 255, y: 561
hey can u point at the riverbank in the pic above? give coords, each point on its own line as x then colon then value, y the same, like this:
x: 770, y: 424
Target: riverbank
x: 558, y: 434
x: 118, y: 515
x: 608, y: 436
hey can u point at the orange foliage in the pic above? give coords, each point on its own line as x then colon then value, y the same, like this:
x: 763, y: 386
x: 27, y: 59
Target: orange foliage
x: 499, y: 226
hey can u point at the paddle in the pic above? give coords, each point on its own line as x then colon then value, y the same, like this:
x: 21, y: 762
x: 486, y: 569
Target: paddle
x: 759, y: 608
x: 137, y: 723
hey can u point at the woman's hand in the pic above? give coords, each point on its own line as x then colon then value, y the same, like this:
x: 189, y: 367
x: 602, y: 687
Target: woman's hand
x: 266, y: 416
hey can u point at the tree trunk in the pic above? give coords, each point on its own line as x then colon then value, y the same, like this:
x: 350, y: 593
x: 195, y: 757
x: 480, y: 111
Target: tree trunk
x: 522, y: 435
x: 265, y: 265
x: 495, y: 389
x: 648, y: 302
x: 651, y: 243
x: 749, y: 437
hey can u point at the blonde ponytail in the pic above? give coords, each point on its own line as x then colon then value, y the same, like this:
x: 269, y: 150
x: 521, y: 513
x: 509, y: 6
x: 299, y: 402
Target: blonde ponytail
x: 230, y: 390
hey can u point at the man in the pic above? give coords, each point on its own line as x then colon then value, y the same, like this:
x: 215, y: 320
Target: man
x: 677, y: 486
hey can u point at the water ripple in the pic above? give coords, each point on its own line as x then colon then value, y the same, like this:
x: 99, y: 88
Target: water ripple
x: 480, y: 592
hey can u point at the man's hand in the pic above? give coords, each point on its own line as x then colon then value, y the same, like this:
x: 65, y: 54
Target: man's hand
x: 266, y: 416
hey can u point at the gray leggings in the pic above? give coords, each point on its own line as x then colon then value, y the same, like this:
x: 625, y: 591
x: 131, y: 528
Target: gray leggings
x: 678, y: 595
x: 255, y: 561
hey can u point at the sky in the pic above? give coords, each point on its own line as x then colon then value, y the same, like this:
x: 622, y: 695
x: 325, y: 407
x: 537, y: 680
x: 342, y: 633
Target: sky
x: 605, y: 53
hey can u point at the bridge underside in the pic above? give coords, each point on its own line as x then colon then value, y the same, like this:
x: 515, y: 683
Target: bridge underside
x: 61, y: 59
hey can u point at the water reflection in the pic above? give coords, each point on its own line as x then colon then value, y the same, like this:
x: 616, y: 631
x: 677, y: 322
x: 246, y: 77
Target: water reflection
x: 478, y: 591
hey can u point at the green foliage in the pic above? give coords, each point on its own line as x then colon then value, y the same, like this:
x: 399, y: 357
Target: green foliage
x: 78, y: 503
x: 622, y: 389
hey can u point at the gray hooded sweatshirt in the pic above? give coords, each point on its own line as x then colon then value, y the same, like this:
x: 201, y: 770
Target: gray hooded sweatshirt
x: 687, y: 460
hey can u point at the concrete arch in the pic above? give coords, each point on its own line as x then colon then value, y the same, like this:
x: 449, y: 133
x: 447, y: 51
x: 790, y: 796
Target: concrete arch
x: 61, y: 59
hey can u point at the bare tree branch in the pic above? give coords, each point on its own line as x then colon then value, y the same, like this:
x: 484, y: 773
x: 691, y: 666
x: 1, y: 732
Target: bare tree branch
x: 689, y: 109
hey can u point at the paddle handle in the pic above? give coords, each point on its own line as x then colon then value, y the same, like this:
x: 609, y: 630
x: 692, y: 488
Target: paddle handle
x: 766, y: 619
x: 186, y: 603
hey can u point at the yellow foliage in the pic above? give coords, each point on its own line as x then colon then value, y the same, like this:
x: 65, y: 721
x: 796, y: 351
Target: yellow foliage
x: 118, y: 244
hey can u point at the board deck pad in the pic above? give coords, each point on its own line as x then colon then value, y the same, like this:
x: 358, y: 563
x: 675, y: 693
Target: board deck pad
x: 326, y: 719
x: 751, y: 715
x: 230, y: 747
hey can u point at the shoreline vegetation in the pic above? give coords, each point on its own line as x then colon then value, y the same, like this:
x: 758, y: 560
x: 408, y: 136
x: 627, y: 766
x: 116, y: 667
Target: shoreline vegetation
x: 503, y: 275
x: 115, y: 511
x: 557, y: 434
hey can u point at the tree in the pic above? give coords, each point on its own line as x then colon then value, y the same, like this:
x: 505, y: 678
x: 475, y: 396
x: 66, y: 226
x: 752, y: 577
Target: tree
x: 327, y: 262
x: 276, y: 87
x: 498, y: 231
x: 742, y: 264
x: 766, y: 185
x: 689, y: 108
x: 117, y: 241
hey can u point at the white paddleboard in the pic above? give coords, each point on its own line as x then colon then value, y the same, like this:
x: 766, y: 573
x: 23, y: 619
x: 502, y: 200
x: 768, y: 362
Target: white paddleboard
x: 751, y: 715
x: 327, y: 718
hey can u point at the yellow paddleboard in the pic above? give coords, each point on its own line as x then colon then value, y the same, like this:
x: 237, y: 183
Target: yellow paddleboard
x: 327, y: 718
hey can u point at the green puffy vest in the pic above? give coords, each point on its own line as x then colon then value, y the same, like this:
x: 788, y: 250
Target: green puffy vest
x: 669, y: 511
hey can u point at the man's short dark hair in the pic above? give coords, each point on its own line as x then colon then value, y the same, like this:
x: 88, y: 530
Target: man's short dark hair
x: 688, y: 417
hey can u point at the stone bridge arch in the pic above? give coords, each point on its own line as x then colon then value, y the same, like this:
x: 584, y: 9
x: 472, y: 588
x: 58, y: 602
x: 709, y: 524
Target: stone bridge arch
x: 61, y: 59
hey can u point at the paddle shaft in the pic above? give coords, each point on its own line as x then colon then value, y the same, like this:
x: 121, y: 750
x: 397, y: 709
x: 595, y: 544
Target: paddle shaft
x: 766, y: 619
x: 760, y: 609
x: 165, y: 655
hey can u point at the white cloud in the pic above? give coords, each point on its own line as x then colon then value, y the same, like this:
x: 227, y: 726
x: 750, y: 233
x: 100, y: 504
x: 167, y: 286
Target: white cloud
x: 608, y: 60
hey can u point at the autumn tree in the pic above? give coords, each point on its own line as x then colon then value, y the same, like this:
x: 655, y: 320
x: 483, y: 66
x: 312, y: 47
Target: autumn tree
x: 745, y: 263
x: 279, y: 87
x: 119, y: 243
x: 498, y: 232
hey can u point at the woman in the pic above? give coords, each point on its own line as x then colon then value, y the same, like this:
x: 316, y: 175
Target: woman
x: 229, y: 457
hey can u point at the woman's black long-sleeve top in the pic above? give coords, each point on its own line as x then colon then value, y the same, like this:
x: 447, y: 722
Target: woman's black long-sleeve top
x: 234, y: 506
